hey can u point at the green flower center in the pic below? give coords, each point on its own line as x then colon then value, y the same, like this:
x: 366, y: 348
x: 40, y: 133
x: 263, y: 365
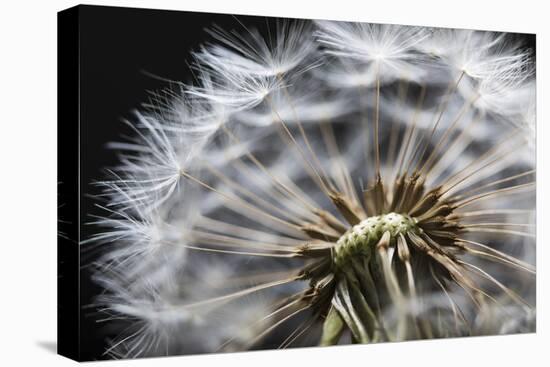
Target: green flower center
x: 361, y: 238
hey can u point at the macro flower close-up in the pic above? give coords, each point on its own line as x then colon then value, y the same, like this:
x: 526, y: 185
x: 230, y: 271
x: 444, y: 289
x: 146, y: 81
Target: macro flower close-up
x: 317, y: 183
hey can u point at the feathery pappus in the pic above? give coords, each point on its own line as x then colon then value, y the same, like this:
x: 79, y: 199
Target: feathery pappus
x: 325, y: 183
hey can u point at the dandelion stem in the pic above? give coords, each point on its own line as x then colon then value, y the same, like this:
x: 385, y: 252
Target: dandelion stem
x: 410, y: 132
x: 442, y: 108
x: 490, y: 194
x: 333, y: 327
x: 240, y: 202
x: 494, y: 183
x: 317, y: 175
x: 377, y: 122
x: 268, y: 173
x: 394, y: 132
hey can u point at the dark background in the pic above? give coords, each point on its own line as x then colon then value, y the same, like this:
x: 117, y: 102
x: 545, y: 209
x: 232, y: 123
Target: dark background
x: 118, y: 47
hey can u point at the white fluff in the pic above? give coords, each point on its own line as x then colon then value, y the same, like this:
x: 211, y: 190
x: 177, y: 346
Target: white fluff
x: 238, y: 156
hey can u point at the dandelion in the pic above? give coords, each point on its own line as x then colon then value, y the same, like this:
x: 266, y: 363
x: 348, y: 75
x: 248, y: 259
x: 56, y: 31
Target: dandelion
x: 291, y: 51
x: 387, y: 51
x: 326, y: 187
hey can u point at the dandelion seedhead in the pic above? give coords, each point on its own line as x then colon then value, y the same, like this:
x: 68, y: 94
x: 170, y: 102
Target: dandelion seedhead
x: 325, y: 184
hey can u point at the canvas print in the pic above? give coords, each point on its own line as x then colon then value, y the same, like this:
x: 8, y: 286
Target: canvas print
x: 237, y: 183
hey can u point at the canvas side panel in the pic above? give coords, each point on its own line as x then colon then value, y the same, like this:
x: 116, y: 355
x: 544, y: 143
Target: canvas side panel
x: 68, y: 129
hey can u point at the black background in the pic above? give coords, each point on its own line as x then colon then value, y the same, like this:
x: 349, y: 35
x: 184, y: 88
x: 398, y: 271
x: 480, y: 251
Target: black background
x: 118, y: 47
